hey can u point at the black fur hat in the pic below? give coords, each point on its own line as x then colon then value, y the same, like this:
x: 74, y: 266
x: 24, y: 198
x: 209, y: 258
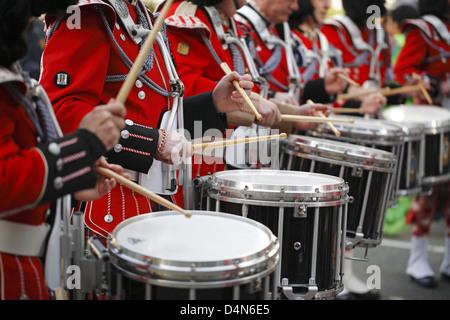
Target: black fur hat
x: 435, y: 7
x: 14, y: 18
x: 357, y: 10
x: 305, y: 8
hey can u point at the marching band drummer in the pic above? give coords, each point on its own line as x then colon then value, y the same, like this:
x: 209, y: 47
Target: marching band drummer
x: 38, y: 164
x: 85, y: 65
x: 196, y: 31
x: 199, y: 29
x: 261, y: 21
x: 427, y: 53
x: 364, y: 48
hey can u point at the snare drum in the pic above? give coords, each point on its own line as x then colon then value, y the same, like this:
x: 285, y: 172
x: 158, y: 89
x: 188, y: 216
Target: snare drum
x: 211, y: 255
x: 372, y: 133
x: 367, y: 171
x: 436, y: 127
x: 306, y: 211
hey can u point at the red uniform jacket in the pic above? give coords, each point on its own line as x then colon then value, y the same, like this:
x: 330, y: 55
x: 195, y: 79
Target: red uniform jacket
x: 85, y: 66
x: 358, y: 61
x: 278, y: 78
x: 34, y: 172
x: 424, y: 52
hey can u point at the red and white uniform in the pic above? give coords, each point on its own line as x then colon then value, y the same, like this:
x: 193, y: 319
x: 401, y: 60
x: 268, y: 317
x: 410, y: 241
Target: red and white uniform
x: 86, y: 66
x: 196, y: 65
x: 316, y: 55
x: 269, y: 57
x: 426, y: 50
x: 364, y: 51
x: 34, y: 173
x: 90, y: 66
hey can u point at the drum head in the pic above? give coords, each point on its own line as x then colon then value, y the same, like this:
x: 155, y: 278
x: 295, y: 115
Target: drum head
x: 362, y: 131
x: 341, y: 153
x: 209, y: 246
x: 433, y: 119
x: 265, y: 185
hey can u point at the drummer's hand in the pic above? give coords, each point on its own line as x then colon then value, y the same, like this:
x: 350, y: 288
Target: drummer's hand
x: 310, y: 110
x: 105, y: 122
x: 334, y: 84
x: 104, y: 184
x: 373, y: 103
x: 225, y: 96
x: 285, y: 98
x: 175, y: 149
x: 269, y: 111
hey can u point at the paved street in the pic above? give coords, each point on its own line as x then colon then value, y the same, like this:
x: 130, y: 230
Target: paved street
x: 392, y: 256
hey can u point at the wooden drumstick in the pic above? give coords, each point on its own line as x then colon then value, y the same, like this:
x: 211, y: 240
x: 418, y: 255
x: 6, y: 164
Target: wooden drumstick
x: 329, y: 124
x: 124, y: 91
x: 294, y: 117
x: 241, y: 91
x: 226, y: 143
x: 348, y: 80
x: 142, y: 191
x: 425, y: 93
x: 319, y: 119
x: 347, y: 110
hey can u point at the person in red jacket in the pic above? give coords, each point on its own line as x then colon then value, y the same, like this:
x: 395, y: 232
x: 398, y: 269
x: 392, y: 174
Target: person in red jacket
x: 199, y: 29
x: 364, y: 47
x: 316, y: 54
x: 40, y: 167
x: 426, y: 53
x: 87, y: 64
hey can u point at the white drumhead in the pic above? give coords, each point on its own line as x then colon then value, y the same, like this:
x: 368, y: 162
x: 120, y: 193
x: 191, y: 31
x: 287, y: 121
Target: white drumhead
x: 276, y: 178
x: 429, y: 116
x: 201, y: 238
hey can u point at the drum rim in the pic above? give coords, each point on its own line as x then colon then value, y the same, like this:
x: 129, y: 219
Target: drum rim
x: 432, y: 127
x: 220, y: 186
x: 363, y: 134
x: 160, y: 270
x: 371, y: 159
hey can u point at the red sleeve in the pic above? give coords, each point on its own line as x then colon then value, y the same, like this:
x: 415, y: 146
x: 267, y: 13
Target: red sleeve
x: 411, y: 55
x: 22, y: 167
x: 193, y: 59
x: 83, y: 54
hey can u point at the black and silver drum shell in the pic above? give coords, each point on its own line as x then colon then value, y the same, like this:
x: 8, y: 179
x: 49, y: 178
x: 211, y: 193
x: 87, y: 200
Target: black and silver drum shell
x: 340, y: 153
x: 236, y: 186
x: 373, y: 132
x: 193, y: 274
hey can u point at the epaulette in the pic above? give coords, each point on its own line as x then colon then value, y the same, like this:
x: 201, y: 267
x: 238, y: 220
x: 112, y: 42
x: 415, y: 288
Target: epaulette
x: 187, y: 22
x: 419, y: 23
x: 84, y: 3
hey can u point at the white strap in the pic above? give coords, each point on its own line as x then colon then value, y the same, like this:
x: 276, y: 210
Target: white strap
x: 22, y: 239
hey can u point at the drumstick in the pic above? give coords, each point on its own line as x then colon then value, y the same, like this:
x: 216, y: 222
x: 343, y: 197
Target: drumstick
x: 227, y: 143
x: 384, y: 91
x: 128, y: 84
x: 347, y: 110
x: 292, y: 117
x: 329, y: 124
x: 348, y: 80
x: 141, y: 190
x: 425, y: 93
x: 249, y: 102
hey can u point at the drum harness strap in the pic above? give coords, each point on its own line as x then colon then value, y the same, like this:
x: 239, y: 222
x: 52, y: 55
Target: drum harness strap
x: 361, y: 45
x: 442, y: 31
x: 248, y: 14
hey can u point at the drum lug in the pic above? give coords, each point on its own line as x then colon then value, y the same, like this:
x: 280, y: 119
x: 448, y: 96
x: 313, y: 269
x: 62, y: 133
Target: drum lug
x: 300, y: 211
x: 357, y: 172
x: 254, y: 286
